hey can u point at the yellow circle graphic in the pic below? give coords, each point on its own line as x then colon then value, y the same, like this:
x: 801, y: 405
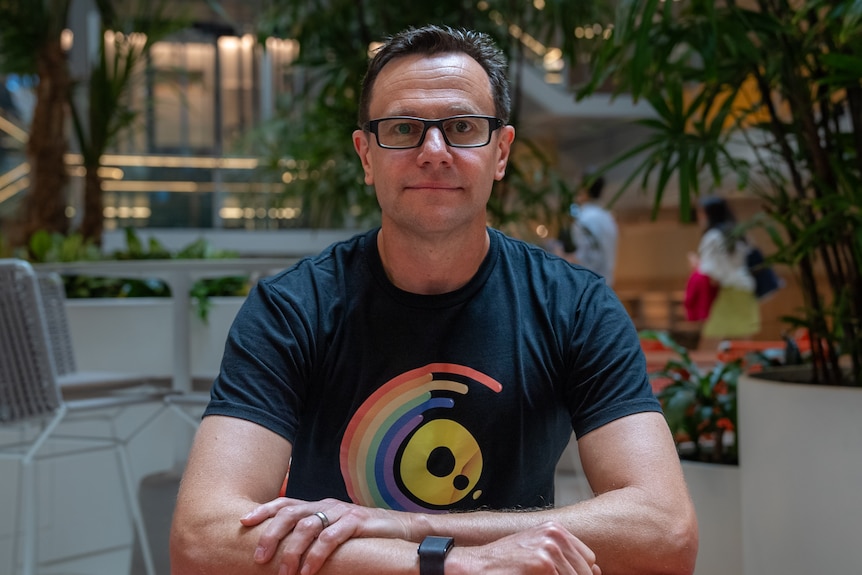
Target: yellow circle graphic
x: 441, y: 463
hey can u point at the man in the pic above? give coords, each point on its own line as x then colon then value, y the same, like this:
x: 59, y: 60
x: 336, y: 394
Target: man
x: 432, y: 365
x: 594, y: 230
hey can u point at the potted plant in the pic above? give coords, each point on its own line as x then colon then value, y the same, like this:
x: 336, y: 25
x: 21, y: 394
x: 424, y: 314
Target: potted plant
x: 698, y: 402
x: 700, y: 406
x: 765, y: 97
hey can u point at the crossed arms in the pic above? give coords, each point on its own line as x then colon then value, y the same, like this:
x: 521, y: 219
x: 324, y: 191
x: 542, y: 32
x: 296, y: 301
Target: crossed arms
x: 230, y: 520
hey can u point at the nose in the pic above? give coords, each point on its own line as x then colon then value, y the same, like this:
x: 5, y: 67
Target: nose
x: 434, y: 146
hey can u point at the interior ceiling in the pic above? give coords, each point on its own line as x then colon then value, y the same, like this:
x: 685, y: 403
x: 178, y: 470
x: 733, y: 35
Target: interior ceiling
x: 583, y: 135
x: 587, y: 137
x: 240, y: 15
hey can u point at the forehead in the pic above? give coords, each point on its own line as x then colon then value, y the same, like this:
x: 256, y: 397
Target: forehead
x: 431, y: 86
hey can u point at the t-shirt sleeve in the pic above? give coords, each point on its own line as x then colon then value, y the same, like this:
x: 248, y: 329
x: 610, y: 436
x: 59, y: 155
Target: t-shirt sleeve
x: 607, y: 369
x: 262, y: 373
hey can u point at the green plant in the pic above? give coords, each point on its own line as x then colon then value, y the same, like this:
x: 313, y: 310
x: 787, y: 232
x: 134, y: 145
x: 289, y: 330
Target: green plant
x: 308, y: 140
x: 699, y: 403
x: 54, y: 247
x: 128, y: 33
x: 764, y: 96
x: 30, y: 45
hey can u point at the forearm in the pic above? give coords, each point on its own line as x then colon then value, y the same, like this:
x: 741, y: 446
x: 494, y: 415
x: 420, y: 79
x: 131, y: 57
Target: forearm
x: 633, y: 530
x: 370, y: 556
x: 208, y: 541
x: 203, y: 544
x: 545, y: 548
x: 204, y: 541
x: 629, y: 530
x: 641, y: 520
x: 234, y: 555
x: 207, y: 534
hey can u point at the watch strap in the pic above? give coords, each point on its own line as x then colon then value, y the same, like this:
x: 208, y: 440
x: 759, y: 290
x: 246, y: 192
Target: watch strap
x: 432, y: 554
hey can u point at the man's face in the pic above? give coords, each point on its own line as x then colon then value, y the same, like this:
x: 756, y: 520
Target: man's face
x: 433, y: 188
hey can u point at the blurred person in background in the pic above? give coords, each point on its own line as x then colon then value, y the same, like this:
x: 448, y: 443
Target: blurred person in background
x: 722, y: 257
x: 594, y: 230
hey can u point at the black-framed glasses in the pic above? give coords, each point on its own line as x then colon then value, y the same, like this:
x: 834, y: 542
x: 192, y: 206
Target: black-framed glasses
x: 402, y: 132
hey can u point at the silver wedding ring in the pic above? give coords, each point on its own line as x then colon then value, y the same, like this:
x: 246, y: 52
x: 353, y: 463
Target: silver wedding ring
x: 323, y: 518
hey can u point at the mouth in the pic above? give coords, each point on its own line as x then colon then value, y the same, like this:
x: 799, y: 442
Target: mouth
x: 432, y: 186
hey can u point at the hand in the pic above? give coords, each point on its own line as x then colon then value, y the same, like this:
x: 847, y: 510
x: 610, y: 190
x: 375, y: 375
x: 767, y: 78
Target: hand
x: 308, y: 541
x: 693, y: 260
x: 542, y: 550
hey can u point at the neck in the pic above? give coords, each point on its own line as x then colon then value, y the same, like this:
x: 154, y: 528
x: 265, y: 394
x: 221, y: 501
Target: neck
x: 437, y: 265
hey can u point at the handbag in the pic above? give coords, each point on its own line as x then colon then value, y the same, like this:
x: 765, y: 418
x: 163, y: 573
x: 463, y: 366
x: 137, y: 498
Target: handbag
x: 700, y: 292
x: 766, y: 281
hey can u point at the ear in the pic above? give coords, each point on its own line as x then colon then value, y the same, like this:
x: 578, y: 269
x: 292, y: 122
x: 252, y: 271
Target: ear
x: 363, y: 148
x: 504, y: 148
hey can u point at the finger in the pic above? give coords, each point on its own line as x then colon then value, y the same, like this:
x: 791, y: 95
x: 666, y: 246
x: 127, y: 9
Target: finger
x: 568, y: 551
x: 584, y: 551
x: 286, y: 521
x: 328, y: 540
x: 297, y: 544
x: 287, y: 515
x: 300, y: 543
x: 264, y: 511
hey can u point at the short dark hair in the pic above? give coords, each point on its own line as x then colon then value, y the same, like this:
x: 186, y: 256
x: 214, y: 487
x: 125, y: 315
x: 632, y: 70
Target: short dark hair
x: 717, y: 211
x: 434, y: 39
x: 720, y: 217
x: 596, y: 184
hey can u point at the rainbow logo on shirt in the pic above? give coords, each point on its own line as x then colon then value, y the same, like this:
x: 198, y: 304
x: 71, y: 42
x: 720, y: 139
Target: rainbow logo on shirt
x: 393, y: 456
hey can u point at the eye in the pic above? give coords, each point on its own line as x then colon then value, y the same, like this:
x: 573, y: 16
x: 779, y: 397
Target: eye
x: 403, y: 128
x: 463, y: 126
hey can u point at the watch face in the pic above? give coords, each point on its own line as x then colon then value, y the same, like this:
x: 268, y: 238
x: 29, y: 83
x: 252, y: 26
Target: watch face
x: 433, y: 544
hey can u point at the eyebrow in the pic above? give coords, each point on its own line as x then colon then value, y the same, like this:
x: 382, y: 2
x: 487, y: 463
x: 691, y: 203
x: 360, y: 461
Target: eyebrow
x: 460, y: 111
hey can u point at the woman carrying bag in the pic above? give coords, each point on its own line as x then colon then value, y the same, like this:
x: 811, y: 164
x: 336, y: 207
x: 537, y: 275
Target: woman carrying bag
x: 722, y: 253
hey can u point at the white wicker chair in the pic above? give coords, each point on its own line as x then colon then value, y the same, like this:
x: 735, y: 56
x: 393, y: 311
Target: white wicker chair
x: 33, y: 407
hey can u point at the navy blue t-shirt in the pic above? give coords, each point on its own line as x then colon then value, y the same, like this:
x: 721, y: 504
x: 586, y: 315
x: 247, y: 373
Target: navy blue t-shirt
x: 462, y: 400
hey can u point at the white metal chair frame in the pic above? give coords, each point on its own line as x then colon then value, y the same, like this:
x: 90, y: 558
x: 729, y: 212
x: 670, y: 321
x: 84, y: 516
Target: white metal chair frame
x: 31, y: 398
x: 180, y: 402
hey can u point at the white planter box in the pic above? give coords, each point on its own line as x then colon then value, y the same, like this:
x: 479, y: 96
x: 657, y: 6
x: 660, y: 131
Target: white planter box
x: 715, y: 490
x: 135, y: 334
x: 801, y: 478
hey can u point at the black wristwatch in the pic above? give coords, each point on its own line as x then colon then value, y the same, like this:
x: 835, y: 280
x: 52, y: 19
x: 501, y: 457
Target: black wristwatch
x: 432, y: 554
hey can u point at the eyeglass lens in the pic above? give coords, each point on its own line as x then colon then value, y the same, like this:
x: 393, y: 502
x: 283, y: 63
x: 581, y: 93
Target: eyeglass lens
x: 458, y: 131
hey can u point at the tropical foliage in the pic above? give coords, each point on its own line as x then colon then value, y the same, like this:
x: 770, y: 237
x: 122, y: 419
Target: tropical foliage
x: 764, y: 96
x: 31, y: 45
x: 310, y: 137
x: 699, y: 404
x: 128, y: 35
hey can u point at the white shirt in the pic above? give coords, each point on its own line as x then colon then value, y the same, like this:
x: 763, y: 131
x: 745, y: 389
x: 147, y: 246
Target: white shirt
x: 595, y: 235
x: 728, y: 269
